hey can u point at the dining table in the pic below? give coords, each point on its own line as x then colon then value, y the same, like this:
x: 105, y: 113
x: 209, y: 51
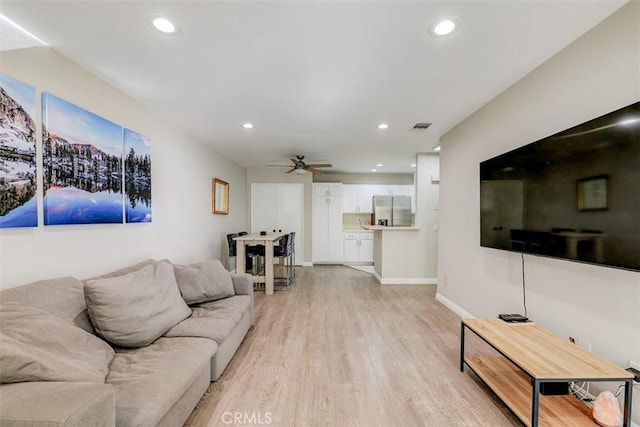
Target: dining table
x: 262, y: 238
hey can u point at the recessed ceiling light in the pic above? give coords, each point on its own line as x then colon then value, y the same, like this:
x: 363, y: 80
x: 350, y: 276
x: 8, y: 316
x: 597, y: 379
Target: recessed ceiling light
x: 247, y: 126
x: 413, y: 165
x: 436, y: 148
x: 373, y: 170
x: 444, y: 26
x: 379, y: 165
x: 163, y: 25
x: 383, y: 126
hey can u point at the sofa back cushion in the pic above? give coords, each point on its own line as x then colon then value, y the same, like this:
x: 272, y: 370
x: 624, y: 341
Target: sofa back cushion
x: 134, y: 309
x: 125, y: 270
x: 63, y: 297
x: 204, y: 281
x: 37, y: 346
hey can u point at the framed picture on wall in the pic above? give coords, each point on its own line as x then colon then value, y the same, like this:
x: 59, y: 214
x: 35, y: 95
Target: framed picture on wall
x: 593, y: 193
x: 220, y: 197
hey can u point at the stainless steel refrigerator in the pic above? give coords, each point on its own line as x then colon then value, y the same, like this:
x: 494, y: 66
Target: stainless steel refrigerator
x: 394, y: 211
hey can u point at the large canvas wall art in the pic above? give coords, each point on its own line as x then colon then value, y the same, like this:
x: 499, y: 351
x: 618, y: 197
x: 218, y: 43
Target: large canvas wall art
x: 82, y: 165
x: 18, y: 201
x: 137, y: 177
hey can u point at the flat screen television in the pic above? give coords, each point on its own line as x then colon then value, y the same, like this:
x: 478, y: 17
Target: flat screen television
x: 573, y: 195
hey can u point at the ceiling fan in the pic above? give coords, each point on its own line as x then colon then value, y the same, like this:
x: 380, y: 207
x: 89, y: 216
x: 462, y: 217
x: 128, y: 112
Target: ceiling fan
x: 300, y: 167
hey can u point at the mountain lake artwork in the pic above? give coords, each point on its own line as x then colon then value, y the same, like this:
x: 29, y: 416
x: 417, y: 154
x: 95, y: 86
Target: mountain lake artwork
x: 18, y: 201
x: 82, y: 165
x: 137, y: 177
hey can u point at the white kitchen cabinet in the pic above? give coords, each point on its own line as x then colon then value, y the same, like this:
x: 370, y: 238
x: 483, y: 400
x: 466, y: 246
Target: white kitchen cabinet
x: 358, y: 246
x: 327, y: 189
x: 358, y: 198
x: 327, y: 223
x: 350, y: 198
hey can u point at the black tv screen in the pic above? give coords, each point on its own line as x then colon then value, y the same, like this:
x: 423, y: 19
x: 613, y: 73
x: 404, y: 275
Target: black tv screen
x: 573, y: 195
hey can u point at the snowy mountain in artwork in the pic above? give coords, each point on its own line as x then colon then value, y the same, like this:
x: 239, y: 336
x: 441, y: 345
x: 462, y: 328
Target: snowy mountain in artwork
x: 18, y: 206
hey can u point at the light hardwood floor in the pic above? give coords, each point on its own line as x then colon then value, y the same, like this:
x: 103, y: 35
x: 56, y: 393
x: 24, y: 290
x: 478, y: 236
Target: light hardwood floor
x: 338, y: 349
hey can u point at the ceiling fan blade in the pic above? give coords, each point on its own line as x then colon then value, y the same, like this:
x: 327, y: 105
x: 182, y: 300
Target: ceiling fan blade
x: 277, y: 166
x: 313, y: 170
x: 320, y: 165
x: 290, y: 170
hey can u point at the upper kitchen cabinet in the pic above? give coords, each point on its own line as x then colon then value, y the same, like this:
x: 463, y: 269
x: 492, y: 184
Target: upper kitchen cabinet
x: 327, y: 189
x: 357, y: 198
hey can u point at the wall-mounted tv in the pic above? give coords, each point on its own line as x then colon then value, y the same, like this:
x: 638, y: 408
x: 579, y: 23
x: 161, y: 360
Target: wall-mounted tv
x: 573, y: 195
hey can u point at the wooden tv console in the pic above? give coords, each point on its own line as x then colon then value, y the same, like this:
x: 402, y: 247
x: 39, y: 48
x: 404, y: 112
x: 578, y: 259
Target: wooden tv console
x: 533, y: 356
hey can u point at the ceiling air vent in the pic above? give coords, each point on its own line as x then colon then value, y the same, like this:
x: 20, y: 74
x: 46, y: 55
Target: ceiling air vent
x: 421, y: 126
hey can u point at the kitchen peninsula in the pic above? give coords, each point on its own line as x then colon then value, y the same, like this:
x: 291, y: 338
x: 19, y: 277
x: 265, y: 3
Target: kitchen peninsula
x: 394, y: 261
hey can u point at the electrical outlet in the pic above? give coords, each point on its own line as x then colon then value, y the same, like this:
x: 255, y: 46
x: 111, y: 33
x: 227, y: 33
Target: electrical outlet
x: 585, y: 345
x: 446, y: 279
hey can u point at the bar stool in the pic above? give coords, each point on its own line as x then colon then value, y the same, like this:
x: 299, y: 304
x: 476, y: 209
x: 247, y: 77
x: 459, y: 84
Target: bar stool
x: 293, y: 254
x: 254, y: 252
x: 232, y: 248
x: 284, y: 251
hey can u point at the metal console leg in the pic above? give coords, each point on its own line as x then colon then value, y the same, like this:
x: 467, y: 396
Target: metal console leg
x: 461, y: 347
x: 628, y: 387
x: 535, y: 403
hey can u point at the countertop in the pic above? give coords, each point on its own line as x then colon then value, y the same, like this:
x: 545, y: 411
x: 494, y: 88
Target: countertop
x: 387, y: 228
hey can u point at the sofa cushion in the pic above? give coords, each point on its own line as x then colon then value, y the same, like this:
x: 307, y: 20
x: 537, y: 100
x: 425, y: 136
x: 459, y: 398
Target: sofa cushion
x: 38, y: 346
x: 126, y: 270
x: 149, y: 380
x: 204, y: 281
x: 57, y: 404
x: 214, y: 320
x: 135, y: 309
x: 63, y: 297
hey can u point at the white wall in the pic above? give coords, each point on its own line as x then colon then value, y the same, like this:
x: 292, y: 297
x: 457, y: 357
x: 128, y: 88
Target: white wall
x: 427, y: 212
x: 183, y: 228
x: 598, y: 73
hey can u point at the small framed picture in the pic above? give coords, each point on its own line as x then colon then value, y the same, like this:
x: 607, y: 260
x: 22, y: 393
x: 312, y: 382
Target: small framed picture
x: 593, y: 193
x: 220, y: 197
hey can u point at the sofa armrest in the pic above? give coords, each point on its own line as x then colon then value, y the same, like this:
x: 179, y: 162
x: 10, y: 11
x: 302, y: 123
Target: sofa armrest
x: 57, y: 403
x: 242, y: 284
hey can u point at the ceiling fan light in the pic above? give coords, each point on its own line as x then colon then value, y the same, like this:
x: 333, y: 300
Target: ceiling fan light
x: 300, y: 171
x: 163, y: 25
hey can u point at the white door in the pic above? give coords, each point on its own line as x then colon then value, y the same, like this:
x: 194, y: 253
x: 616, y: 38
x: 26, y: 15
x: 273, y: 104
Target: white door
x: 321, y: 220
x: 335, y: 229
x: 279, y: 207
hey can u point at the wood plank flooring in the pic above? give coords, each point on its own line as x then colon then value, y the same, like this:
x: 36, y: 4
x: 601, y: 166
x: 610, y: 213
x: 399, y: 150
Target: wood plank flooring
x: 338, y: 349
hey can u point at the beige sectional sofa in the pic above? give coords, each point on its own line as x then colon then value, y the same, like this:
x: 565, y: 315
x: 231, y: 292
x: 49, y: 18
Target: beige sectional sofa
x: 135, y: 347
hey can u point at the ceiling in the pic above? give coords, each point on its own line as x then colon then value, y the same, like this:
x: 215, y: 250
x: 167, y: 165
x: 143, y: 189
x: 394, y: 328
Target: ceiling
x: 314, y: 77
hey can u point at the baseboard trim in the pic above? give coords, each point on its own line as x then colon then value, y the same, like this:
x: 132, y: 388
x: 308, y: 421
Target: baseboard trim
x: 307, y: 264
x: 405, y: 280
x: 453, y: 306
